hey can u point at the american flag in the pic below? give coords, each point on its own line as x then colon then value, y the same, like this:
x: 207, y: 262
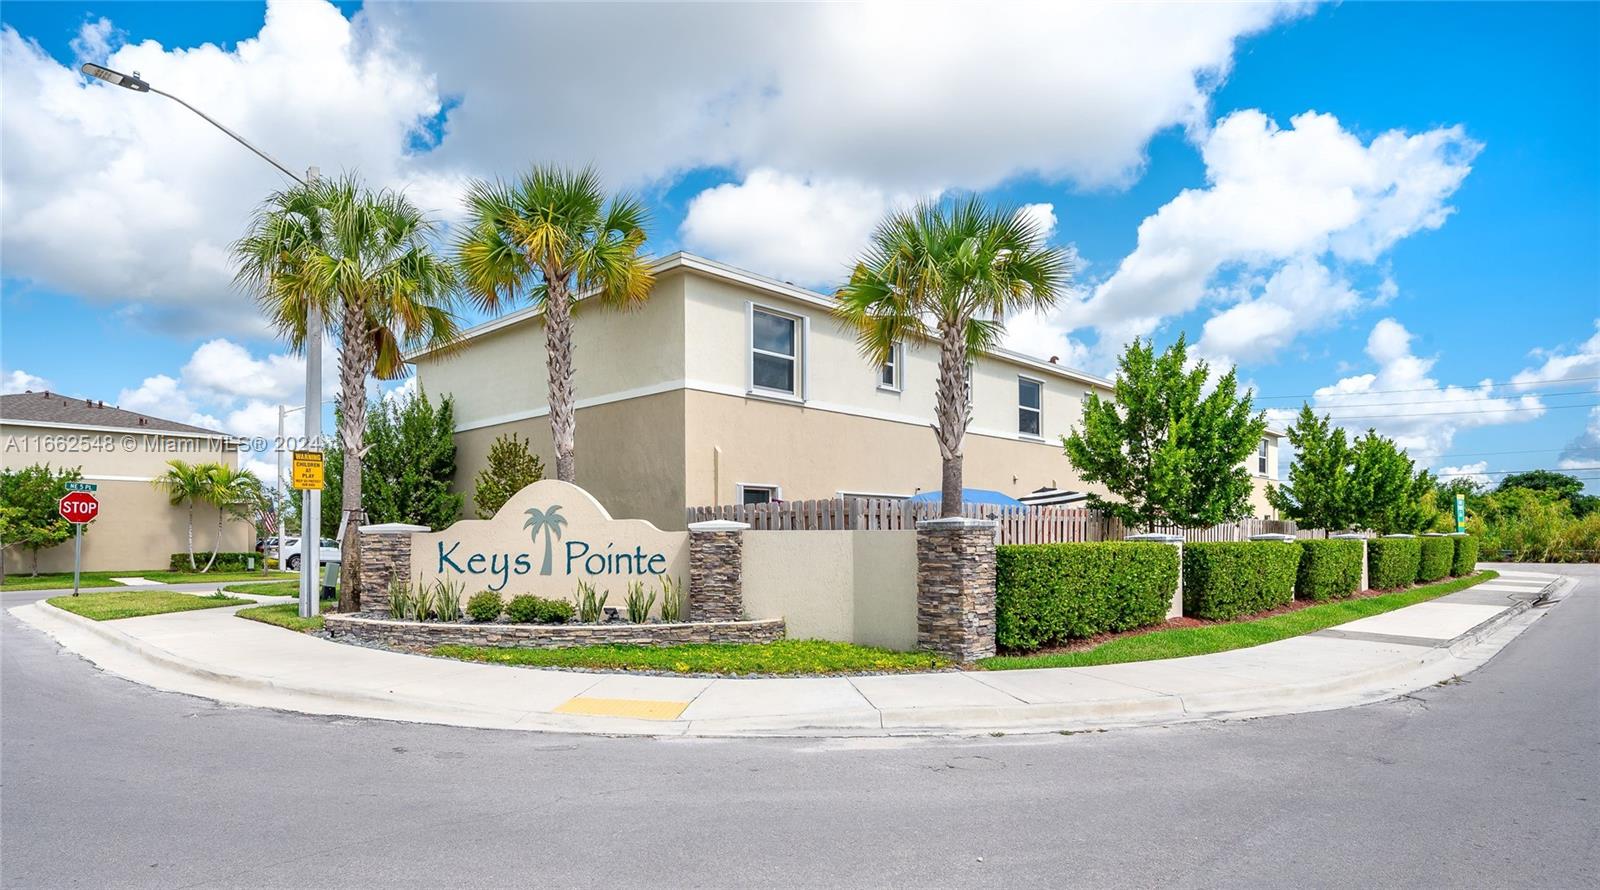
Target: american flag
x: 269, y: 521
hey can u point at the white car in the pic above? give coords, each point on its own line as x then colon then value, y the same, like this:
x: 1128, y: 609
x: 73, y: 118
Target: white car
x: 328, y: 552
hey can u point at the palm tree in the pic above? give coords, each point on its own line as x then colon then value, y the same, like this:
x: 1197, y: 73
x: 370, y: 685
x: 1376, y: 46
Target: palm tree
x: 554, y: 237
x: 185, y: 484
x: 950, y: 272
x: 550, y: 522
x: 235, y: 494
x: 364, y: 259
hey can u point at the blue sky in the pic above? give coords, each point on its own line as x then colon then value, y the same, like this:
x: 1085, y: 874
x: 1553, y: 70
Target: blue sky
x: 1468, y: 134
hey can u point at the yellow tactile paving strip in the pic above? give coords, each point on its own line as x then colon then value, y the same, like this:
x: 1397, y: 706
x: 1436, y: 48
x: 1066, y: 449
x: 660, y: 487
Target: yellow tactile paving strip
x: 638, y: 708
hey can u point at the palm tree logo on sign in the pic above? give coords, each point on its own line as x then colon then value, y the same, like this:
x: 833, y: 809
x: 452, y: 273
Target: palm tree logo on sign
x: 548, y: 521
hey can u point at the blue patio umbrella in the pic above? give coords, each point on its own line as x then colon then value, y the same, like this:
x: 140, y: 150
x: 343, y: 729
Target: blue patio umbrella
x: 985, y: 496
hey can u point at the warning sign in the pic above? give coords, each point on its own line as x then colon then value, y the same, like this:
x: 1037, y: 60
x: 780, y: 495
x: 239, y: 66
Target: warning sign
x: 306, y: 471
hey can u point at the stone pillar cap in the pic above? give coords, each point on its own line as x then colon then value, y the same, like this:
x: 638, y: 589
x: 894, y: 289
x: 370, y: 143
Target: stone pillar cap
x: 1272, y: 536
x: 956, y: 523
x: 1160, y: 537
x: 1434, y: 535
x: 1349, y: 536
x: 718, y: 525
x: 1399, y: 536
x: 392, y: 528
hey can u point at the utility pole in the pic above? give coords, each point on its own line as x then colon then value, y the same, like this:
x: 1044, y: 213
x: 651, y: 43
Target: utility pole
x: 311, y: 504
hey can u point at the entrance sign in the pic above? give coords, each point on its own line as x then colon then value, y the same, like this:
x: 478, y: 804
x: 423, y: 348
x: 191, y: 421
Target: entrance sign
x: 78, y: 507
x: 306, y: 471
x: 544, y: 540
x: 1461, y: 514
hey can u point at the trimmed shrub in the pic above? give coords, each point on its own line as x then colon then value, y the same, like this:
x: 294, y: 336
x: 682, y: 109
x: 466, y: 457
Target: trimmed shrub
x: 1393, y: 562
x: 226, y: 562
x: 485, y: 605
x: 1226, y: 579
x: 1329, y: 569
x: 1050, y: 593
x: 530, y: 609
x: 1464, y: 561
x: 1435, y: 559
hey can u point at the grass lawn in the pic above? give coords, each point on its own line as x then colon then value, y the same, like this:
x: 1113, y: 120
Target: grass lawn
x: 790, y: 657
x: 55, y: 580
x: 286, y: 615
x: 271, y: 588
x: 1180, y: 642
x: 134, y: 603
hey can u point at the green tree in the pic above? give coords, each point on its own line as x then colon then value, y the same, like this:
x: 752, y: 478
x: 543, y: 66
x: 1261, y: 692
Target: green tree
x: 1317, y: 494
x: 411, y: 462
x: 552, y: 237
x: 237, y: 494
x: 511, y: 468
x: 1170, y: 452
x: 947, y: 271
x: 185, y: 485
x: 29, y: 517
x: 1567, y: 488
x: 364, y: 259
x: 1387, y: 494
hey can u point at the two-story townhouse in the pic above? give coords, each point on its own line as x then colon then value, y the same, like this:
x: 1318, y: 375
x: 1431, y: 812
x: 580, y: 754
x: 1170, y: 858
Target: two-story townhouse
x: 729, y: 387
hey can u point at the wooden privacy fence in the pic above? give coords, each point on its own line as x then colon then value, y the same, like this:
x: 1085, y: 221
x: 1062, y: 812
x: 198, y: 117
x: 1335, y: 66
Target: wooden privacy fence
x: 1018, y: 525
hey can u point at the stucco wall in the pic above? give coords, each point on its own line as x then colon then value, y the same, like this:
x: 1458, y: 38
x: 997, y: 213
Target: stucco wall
x: 850, y: 586
x: 630, y: 456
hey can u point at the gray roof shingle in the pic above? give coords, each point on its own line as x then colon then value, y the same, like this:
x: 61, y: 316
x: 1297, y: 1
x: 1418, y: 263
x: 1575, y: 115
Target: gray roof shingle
x: 50, y: 407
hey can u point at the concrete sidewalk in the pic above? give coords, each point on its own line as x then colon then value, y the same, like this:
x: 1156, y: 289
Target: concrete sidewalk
x: 211, y: 653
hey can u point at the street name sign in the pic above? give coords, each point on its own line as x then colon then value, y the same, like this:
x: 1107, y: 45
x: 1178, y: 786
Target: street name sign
x: 82, y: 486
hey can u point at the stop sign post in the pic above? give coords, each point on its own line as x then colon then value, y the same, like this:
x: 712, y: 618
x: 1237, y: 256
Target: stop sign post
x: 78, y: 508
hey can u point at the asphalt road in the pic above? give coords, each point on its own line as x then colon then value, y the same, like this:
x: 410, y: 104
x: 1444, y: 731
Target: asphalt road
x: 1492, y: 781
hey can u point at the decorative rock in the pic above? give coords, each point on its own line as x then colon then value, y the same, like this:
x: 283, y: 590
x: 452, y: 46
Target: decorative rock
x: 716, y: 571
x: 385, y: 555
x: 955, y: 587
x: 427, y: 634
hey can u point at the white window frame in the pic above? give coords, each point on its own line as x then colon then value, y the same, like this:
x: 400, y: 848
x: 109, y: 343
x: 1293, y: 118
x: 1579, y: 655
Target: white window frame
x: 881, y: 495
x: 1039, y: 436
x: 1261, y: 457
x: 776, y: 491
x: 802, y: 332
x: 897, y: 361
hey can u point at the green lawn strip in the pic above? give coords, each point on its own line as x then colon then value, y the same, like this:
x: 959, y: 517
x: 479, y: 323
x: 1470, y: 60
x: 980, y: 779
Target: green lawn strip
x: 135, y: 603
x: 789, y: 657
x: 55, y: 580
x: 271, y: 588
x: 286, y: 615
x: 1181, y: 642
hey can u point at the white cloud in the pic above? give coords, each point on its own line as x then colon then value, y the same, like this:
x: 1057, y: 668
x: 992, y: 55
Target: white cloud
x: 1580, y: 365
x: 1287, y: 208
x: 1476, y: 473
x: 21, y: 381
x: 1583, y: 452
x: 160, y: 396
x: 785, y: 226
x: 223, y: 370
x: 1043, y: 216
x: 1402, y: 401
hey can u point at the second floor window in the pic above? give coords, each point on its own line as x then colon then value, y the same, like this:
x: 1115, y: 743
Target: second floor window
x: 773, y: 353
x: 889, y: 371
x: 1261, y: 457
x: 1030, y: 406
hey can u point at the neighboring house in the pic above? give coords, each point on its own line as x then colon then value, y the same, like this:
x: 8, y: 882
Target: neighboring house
x: 120, y: 452
x: 728, y: 387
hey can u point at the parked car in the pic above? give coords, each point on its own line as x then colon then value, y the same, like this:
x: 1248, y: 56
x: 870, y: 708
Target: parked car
x: 329, y: 552
x: 266, y: 545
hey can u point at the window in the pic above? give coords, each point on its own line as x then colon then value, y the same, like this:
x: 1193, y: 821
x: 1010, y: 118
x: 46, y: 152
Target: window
x: 773, y: 354
x: 1030, y: 406
x: 758, y: 494
x: 1261, y: 457
x: 889, y: 372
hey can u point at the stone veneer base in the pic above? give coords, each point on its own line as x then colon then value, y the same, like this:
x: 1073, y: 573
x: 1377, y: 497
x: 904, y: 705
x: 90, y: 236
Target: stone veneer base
x: 426, y: 634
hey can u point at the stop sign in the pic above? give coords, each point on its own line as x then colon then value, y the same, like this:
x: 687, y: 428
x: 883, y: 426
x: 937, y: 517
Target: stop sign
x: 79, y: 507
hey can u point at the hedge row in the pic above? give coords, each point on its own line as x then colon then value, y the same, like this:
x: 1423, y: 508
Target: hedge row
x: 1435, y: 559
x: 1465, y: 558
x: 1329, y: 569
x: 226, y: 562
x: 1393, y: 562
x: 1051, y: 593
x: 1224, y: 580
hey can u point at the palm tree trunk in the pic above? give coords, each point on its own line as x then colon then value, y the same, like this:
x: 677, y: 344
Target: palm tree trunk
x: 558, y: 350
x: 355, y: 363
x: 953, y: 413
x: 191, y: 535
x: 217, y: 544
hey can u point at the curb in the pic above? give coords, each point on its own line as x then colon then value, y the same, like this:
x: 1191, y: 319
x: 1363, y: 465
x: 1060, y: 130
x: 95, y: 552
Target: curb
x: 949, y: 720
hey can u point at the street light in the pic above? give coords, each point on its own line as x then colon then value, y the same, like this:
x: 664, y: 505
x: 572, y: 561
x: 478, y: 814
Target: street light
x: 311, y: 506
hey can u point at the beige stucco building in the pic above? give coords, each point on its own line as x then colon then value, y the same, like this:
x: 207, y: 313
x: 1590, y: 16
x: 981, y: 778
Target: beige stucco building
x: 729, y: 387
x: 121, y: 452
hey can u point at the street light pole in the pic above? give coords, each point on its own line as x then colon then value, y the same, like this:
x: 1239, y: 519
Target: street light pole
x: 311, y: 507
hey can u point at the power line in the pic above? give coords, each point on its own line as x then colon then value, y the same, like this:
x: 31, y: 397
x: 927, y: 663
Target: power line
x: 1385, y: 404
x: 1409, y: 414
x: 1514, y: 472
x: 1436, y: 386
x: 1525, y: 451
